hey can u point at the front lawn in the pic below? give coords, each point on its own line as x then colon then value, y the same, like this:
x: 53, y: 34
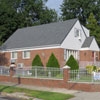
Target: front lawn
x: 37, y: 94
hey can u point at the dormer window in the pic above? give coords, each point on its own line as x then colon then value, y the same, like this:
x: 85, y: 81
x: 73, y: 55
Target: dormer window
x: 78, y: 33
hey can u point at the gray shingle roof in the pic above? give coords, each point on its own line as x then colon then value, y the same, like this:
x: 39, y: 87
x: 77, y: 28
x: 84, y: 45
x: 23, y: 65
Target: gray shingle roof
x: 47, y: 34
x: 88, y: 42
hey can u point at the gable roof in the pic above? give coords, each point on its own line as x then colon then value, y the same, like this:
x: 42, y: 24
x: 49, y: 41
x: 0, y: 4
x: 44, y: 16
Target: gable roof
x: 42, y: 35
x: 87, y: 42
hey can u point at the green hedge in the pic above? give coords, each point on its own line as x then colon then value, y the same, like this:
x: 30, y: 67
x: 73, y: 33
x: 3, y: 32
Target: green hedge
x: 53, y: 62
x: 72, y: 63
x: 37, y: 61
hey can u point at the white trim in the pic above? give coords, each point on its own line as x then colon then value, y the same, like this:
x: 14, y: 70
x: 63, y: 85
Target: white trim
x: 32, y: 48
x: 16, y: 56
x: 84, y: 48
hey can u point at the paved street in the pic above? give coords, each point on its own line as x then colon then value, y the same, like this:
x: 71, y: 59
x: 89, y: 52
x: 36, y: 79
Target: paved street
x: 87, y: 96
x: 7, y: 98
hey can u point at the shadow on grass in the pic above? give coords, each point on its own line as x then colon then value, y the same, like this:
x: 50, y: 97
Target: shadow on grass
x: 9, y: 98
x: 7, y: 87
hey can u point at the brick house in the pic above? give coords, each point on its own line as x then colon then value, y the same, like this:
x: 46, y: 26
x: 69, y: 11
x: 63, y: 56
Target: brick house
x: 61, y: 38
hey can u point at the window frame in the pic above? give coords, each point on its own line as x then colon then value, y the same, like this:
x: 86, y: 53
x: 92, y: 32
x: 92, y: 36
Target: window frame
x: 79, y: 34
x: 12, y: 55
x: 23, y: 53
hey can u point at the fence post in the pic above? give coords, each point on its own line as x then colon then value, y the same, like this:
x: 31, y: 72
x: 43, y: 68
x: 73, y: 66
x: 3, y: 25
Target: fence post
x: 66, y: 74
x: 12, y: 70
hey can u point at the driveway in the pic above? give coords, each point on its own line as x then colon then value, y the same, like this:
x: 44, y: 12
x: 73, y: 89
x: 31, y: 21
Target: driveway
x: 7, y: 98
x: 87, y: 96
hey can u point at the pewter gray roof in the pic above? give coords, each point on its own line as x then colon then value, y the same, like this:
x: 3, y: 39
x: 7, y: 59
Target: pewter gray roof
x: 88, y: 42
x: 47, y: 34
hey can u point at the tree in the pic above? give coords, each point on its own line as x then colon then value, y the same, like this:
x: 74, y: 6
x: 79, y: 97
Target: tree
x: 52, y: 62
x: 72, y: 63
x: 94, y: 27
x: 81, y: 9
x: 92, y: 24
x: 16, y: 14
x: 37, y: 61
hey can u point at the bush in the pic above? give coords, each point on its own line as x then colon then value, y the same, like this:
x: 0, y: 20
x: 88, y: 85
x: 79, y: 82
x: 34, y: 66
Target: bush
x: 72, y: 63
x: 91, y: 68
x: 52, y: 62
x: 37, y: 61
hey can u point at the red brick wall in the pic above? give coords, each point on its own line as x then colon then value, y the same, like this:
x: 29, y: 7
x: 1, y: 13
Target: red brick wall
x: 86, y: 55
x: 88, y: 87
x: 59, y: 53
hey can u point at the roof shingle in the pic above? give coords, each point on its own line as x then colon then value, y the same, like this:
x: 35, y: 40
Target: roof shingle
x: 88, y: 42
x: 47, y: 34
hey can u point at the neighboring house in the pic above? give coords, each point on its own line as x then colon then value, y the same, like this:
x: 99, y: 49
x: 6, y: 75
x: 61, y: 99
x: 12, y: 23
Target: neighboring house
x: 61, y: 38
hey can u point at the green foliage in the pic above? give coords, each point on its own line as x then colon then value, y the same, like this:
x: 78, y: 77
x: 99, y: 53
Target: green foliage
x: 44, y: 95
x: 37, y: 61
x: 94, y: 27
x: 81, y: 9
x: 16, y: 14
x: 91, y: 68
x: 72, y: 63
x: 52, y: 62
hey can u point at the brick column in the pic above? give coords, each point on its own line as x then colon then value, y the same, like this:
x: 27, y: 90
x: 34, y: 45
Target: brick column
x: 66, y: 74
x: 11, y: 71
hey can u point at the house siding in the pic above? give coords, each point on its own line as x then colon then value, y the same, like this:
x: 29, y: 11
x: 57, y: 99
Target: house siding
x: 71, y: 42
x: 44, y: 55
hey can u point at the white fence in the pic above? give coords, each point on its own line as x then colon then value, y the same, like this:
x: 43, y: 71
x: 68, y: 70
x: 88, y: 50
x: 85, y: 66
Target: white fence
x: 84, y: 76
x: 83, y: 64
x: 4, y: 70
x: 40, y: 72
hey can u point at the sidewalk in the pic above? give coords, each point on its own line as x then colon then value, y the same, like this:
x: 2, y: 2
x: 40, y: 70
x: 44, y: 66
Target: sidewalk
x: 87, y: 96
x: 59, y: 90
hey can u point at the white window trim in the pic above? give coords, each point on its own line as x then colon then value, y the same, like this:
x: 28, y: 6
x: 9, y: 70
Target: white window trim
x: 25, y: 57
x: 16, y: 56
x: 79, y: 36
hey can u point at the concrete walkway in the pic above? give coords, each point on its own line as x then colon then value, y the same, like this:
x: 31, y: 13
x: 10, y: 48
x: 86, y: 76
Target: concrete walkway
x: 87, y: 96
x: 59, y: 90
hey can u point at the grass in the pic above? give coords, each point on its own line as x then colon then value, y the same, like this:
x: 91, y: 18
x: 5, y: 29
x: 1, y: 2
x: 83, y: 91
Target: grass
x: 37, y: 94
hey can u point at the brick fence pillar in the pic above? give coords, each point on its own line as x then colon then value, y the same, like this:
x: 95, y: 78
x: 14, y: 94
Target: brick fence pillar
x: 66, y: 74
x: 12, y: 71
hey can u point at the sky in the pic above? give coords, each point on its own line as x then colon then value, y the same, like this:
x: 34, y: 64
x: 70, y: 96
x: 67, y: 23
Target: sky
x: 55, y: 4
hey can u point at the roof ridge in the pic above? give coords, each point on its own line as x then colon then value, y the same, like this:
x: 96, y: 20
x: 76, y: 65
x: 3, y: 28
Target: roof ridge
x: 49, y: 23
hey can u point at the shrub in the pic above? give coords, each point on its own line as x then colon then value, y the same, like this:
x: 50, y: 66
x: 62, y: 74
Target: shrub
x: 37, y: 61
x: 52, y: 62
x: 72, y: 63
x: 91, y: 68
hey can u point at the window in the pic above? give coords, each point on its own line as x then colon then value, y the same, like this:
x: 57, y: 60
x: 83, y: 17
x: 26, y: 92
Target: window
x: 68, y: 53
x: 14, y: 55
x: 78, y: 33
x: 26, y: 54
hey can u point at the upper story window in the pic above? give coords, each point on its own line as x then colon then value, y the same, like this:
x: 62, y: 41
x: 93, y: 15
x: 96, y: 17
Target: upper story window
x: 78, y: 33
x: 26, y: 54
x: 13, y: 55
